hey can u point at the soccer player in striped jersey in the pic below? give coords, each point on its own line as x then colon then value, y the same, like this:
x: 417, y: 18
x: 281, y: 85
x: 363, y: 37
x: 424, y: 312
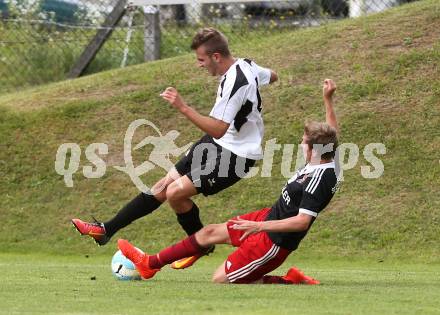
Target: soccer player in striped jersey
x: 234, y: 132
x: 266, y: 237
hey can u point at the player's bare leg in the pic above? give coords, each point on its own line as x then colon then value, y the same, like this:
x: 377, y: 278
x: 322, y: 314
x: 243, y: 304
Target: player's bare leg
x: 178, y: 194
x: 159, y: 189
x: 213, y: 234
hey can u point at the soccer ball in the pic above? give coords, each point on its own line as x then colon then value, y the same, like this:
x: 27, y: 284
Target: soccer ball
x: 123, y: 268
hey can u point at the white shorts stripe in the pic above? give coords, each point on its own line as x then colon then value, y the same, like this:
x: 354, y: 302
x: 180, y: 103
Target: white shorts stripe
x: 251, y: 268
x: 246, y: 270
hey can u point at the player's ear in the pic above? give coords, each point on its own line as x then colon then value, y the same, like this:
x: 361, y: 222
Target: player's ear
x: 216, y: 57
x: 316, y: 156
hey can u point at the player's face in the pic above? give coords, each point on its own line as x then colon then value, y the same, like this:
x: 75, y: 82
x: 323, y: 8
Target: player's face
x: 210, y: 63
x: 306, y: 150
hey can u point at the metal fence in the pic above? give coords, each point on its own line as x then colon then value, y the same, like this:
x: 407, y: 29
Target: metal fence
x: 45, y: 40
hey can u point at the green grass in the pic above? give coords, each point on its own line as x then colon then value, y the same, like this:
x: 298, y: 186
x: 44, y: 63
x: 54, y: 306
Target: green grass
x: 388, y: 92
x: 36, y: 284
x: 376, y: 248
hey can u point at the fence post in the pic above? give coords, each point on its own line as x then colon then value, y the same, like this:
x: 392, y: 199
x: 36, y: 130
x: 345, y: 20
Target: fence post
x: 151, y: 33
x: 194, y: 12
x: 96, y: 43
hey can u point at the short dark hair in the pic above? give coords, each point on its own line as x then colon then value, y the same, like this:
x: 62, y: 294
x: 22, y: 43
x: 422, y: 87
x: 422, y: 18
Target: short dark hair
x: 213, y: 41
x: 319, y: 133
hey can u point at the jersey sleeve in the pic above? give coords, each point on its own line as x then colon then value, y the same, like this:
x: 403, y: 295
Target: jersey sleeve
x: 232, y: 94
x: 317, y: 193
x: 264, y: 75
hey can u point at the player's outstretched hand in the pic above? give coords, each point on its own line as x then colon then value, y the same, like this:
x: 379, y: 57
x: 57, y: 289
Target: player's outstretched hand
x: 249, y: 227
x: 328, y: 88
x: 173, y: 97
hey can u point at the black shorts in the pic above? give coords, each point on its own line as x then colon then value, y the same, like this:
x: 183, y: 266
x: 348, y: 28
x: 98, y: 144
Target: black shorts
x: 211, y: 167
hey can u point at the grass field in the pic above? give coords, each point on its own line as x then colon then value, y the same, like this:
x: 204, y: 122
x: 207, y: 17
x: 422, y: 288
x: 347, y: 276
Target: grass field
x: 387, y: 70
x: 63, y: 285
x: 376, y: 248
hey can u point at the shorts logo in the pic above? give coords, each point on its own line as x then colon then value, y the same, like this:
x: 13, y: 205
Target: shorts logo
x: 228, y: 264
x: 211, y: 182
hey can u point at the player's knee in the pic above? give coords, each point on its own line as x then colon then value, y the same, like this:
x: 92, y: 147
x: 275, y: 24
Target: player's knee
x: 210, y: 229
x: 173, y: 192
x: 160, y: 194
x: 219, y: 278
x: 159, y: 190
x: 207, y: 236
x: 207, y: 232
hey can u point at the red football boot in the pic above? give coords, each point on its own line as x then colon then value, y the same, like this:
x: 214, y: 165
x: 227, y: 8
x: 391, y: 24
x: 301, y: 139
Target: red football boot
x: 139, y: 259
x: 95, y: 230
x: 296, y: 276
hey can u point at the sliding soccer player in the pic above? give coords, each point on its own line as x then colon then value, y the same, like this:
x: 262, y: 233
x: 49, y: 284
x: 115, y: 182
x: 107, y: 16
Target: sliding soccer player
x: 266, y: 237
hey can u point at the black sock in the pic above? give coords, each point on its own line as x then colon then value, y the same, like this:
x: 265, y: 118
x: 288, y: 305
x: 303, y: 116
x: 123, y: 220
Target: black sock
x: 140, y: 206
x: 190, y: 221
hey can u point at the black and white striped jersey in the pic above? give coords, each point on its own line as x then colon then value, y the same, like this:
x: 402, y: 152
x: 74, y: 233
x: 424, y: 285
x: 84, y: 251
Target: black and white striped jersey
x: 238, y: 103
x: 309, y: 191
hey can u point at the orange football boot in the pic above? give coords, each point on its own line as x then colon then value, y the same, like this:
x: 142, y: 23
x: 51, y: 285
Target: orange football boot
x: 139, y: 259
x: 296, y: 276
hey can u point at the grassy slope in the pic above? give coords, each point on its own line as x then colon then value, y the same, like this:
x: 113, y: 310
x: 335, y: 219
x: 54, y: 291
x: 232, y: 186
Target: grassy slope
x: 387, y: 69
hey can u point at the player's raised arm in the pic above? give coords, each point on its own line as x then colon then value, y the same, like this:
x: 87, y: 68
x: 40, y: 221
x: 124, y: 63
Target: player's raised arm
x: 328, y: 90
x: 213, y: 127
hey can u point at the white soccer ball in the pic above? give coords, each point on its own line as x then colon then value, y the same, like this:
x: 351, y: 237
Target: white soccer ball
x: 123, y: 268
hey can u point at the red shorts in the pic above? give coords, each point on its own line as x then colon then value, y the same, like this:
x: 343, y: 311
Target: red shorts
x: 256, y: 255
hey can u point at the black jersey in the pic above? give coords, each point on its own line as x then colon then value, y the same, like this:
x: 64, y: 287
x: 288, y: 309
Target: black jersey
x: 309, y: 191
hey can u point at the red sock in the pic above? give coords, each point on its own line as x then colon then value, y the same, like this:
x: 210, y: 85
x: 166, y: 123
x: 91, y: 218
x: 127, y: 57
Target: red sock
x: 275, y: 280
x: 186, y: 248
